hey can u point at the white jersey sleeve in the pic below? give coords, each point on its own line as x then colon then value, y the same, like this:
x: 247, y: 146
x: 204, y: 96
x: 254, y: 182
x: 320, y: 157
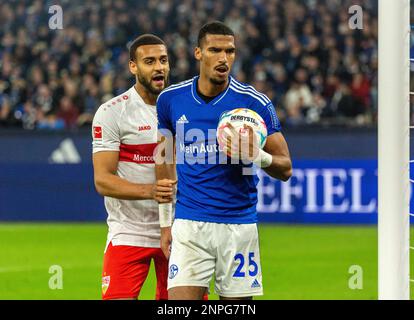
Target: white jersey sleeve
x: 105, y: 130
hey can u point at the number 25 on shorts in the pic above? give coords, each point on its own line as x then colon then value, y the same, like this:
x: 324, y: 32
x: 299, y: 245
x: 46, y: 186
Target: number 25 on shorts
x: 252, y: 267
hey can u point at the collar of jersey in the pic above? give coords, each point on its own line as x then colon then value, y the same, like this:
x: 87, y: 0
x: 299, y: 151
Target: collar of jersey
x: 201, y: 101
x: 135, y: 93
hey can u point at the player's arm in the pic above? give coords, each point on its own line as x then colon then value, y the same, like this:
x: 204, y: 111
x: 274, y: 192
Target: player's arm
x: 274, y: 158
x: 108, y: 183
x: 165, y: 165
x: 279, y: 165
x: 165, y: 170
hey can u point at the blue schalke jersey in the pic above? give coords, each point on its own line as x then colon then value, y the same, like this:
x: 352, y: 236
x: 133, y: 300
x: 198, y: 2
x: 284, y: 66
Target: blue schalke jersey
x: 211, y: 186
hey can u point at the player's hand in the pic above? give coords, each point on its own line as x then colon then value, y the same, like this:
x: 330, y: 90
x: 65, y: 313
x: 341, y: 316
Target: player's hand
x: 163, y: 190
x: 165, y: 241
x: 242, y: 145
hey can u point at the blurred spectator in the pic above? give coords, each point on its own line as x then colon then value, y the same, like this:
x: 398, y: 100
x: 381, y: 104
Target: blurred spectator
x: 43, y: 99
x: 297, y: 101
x: 4, y: 108
x: 68, y: 112
x: 302, y: 54
x: 345, y: 104
x: 361, y: 89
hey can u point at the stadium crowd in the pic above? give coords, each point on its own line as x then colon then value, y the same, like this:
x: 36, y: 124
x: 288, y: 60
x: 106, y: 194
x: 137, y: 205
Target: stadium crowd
x: 302, y: 54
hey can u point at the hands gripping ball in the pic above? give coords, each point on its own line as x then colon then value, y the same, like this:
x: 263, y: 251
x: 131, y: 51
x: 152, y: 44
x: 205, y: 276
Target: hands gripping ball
x: 238, y: 119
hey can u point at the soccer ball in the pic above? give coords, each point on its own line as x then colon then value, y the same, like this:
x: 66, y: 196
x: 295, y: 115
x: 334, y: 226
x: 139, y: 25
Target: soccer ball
x: 238, y: 118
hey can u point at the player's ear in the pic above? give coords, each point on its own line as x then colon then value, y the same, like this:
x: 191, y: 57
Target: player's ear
x: 197, y: 53
x: 132, y: 67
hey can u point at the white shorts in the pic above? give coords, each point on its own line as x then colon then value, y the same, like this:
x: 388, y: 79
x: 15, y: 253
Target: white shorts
x: 229, y: 251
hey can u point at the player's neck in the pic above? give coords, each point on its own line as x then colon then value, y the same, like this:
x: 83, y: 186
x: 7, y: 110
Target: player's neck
x: 147, y: 96
x: 209, y: 89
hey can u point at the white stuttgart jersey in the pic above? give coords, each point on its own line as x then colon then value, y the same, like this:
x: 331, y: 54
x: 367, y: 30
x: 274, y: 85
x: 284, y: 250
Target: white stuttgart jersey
x: 128, y: 125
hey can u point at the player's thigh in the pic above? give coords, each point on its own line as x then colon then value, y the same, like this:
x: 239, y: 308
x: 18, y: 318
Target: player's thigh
x: 124, y: 271
x: 192, y: 259
x: 238, y: 268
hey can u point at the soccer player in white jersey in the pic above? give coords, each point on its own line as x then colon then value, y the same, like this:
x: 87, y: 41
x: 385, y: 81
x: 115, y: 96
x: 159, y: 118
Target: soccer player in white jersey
x: 124, y: 134
x: 215, y: 230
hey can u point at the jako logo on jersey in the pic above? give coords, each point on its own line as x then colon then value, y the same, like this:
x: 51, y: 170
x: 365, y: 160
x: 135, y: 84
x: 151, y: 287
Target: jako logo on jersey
x: 97, y: 132
x: 105, y: 283
x: 183, y: 119
x: 143, y: 128
x: 173, y: 271
x: 255, y: 284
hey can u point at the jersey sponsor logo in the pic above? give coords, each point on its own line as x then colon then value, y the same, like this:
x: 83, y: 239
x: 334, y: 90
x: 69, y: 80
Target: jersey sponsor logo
x: 182, y: 119
x: 105, y: 283
x: 255, y: 284
x: 199, y: 148
x: 173, y: 271
x: 144, y: 128
x: 97, y: 132
x: 138, y: 153
x: 143, y: 159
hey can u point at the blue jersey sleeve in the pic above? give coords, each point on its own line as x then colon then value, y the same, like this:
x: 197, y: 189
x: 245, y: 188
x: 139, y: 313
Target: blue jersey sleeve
x: 164, y: 113
x: 268, y: 113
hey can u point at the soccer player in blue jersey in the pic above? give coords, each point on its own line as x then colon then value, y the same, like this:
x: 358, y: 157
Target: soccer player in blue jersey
x: 214, y: 231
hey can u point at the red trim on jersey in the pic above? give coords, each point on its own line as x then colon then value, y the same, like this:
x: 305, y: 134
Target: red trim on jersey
x: 137, y: 153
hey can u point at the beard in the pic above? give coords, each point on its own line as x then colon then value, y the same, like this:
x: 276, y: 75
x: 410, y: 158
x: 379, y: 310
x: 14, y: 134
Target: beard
x: 147, y: 84
x: 217, y: 82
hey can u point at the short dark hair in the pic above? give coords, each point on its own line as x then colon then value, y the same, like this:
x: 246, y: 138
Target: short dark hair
x: 215, y: 27
x: 143, y: 40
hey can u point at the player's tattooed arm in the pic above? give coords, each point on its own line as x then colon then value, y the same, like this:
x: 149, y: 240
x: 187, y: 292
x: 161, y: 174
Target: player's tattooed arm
x: 108, y: 183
